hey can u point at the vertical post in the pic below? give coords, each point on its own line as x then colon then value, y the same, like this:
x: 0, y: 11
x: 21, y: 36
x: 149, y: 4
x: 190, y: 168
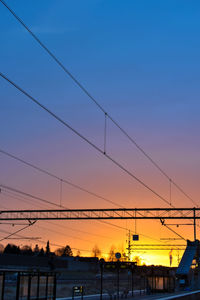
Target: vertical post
x: 82, y: 293
x: 18, y: 286
x: 101, y: 284
x: 73, y: 293
x: 195, y: 237
x: 54, y: 287
x: 38, y: 285
x: 47, y: 284
x: 132, y: 281
x: 135, y: 223
x: 118, y: 265
x: 3, y: 286
x: 129, y: 245
x: 29, y: 287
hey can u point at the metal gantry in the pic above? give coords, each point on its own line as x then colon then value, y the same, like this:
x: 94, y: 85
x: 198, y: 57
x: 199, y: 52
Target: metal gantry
x: 101, y: 214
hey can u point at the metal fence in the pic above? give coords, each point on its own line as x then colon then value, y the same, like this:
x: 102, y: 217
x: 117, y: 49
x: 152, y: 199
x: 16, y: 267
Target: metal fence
x: 25, y: 285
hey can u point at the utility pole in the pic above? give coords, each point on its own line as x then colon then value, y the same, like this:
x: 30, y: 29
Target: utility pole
x: 129, y: 246
x: 195, y: 237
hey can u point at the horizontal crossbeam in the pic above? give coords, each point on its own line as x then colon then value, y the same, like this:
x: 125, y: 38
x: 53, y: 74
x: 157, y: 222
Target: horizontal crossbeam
x: 101, y: 214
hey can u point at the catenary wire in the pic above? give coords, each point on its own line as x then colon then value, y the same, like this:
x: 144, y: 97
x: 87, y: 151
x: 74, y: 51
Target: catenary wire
x: 8, y: 194
x: 17, y: 231
x: 39, y: 241
x: 65, y: 181
x: 58, y: 178
x: 84, y: 138
x: 78, y: 83
x: 106, y: 114
x: 43, y: 200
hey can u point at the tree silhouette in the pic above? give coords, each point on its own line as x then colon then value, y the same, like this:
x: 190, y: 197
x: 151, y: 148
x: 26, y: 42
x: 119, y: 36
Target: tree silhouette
x: 41, y: 253
x: 96, y: 252
x: 12, y: 249
x: 36, y: 249
x: 64, y: 251
x: 112, y: 253
x: 47, y: 249
x: 26, y: 250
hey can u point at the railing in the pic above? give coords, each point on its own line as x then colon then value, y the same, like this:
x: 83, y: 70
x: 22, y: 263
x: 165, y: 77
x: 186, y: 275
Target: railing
x: 27, y: 285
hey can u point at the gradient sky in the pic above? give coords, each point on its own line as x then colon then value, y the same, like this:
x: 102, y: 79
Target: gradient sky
x: 140, y: 60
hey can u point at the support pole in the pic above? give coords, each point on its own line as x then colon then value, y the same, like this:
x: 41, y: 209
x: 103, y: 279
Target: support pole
x: 118, y: 265
x: 132, y: 283
x: 195, y: 237
x: 3, y: 286
x: 47, y: 284
x: 54, y: 287
x: 18, y: 285
x: 101, y: 284
x: 38, y: 285
x: 29, y: 287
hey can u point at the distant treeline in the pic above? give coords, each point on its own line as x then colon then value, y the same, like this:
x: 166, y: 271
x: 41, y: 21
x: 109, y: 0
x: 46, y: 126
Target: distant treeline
x: 64, y: 251
x: 28, y: 250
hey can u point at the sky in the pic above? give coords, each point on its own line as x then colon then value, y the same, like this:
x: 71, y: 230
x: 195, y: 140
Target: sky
x: 140, y: 61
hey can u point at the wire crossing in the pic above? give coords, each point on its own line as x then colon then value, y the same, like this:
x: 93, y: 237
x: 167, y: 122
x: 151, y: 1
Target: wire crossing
x: 76, y: 186
x: 80, y: 85
x: 94, y: 146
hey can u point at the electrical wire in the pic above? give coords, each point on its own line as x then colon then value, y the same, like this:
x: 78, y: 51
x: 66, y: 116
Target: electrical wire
x: 19, y: 230
x: 36, y: 239
x: 174, y: 232
x: 2, y: 186
x: 106, y: 115
x: 64, y: 181
x: 44, y: 200
x: 159, y: 245
x: 58, y: 178
x: 84, y: 138
x: 77, y: 82
x: 7, y: 194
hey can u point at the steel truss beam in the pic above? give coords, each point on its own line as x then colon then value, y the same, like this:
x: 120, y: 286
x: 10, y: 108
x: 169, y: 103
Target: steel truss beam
x: 101, y: 214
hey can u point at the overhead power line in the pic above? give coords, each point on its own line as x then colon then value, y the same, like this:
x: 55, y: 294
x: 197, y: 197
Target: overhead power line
x: 39, y: 241
x: 63, y: 234
x: 19, y: 236
x: 86, y: 140
x: 159, y: 249
x: 180, y: 236
x: 54, y: 57
x: 28, y: 195
x: 107, y: 115
x: 63, y: 180
x: 67, y: 182
x: 94, y: 146
x: 76, y: 186
x: 21, y: 198
x: 17, y: 231
x: 158, y: 245
x: 5, y: 188
x: 10, y: 235
x: 2, y: 186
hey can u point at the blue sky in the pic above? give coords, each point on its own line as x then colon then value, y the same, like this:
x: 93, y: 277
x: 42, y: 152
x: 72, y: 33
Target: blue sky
x: 139, y: 59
